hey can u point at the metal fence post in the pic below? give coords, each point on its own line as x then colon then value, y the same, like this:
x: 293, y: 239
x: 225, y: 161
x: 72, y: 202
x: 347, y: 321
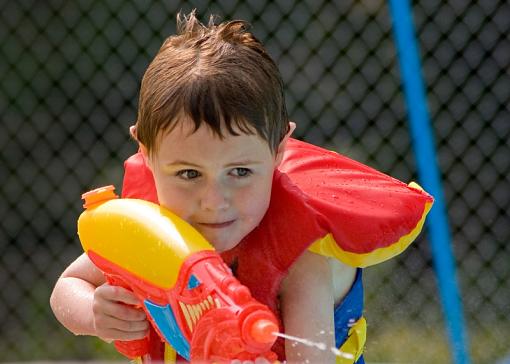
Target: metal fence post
x: 423, y: 145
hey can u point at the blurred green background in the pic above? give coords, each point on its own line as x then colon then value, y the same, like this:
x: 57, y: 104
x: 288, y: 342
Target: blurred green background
x: 70, y: 72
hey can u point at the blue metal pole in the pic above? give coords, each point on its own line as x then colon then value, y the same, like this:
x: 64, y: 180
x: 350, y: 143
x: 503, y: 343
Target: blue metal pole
x: 423, y: 144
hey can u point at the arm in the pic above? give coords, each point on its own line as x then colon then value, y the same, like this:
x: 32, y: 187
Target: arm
x: 307, y: 302
x: 85, y: 305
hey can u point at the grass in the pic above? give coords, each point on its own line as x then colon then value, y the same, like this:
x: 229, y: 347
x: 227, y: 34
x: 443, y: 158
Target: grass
x: 404, y: 343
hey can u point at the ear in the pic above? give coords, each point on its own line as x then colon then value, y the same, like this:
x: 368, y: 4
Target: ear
x: 141, y: 148
x: 283, y: 143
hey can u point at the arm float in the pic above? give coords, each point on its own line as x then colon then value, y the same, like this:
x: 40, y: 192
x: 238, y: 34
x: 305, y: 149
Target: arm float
x: 188, y: 293
x: 366, y: 216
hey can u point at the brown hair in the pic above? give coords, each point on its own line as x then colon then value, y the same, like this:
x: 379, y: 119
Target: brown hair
x: 217, y: 74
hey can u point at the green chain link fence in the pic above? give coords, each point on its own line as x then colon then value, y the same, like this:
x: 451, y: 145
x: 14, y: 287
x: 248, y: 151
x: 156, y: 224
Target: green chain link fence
x: 70, y: 72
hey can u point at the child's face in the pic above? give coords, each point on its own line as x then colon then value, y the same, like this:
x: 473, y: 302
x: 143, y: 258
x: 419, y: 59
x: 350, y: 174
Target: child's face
x: 222, y: 187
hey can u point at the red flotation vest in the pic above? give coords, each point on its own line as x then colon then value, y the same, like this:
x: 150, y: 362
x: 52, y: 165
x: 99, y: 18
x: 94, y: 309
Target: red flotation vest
x: 321, y: 201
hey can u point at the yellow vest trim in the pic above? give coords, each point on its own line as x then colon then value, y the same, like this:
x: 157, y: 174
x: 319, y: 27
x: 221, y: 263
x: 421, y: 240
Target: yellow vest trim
x: 355, y: 343
x: 327, y: 246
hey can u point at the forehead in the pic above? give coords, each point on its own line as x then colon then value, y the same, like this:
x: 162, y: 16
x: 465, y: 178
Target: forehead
x: 184, y: 139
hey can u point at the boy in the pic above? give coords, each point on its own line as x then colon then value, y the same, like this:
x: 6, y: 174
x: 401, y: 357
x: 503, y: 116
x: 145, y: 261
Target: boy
x: 215, y: 148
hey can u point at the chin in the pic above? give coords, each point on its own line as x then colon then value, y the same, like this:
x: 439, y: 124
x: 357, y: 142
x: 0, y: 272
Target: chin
x: 222, y: 246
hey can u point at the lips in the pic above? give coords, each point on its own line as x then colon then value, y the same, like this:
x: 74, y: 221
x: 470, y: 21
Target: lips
x: 217, y: 225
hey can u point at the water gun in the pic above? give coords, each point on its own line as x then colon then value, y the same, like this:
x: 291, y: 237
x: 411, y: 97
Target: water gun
x: 189, y: 294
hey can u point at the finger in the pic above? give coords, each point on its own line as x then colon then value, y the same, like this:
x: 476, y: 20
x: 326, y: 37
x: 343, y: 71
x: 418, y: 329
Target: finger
x: 116, y: 293
x: 118, y: 310
x: 123, y: 325
x: 113, y: 328
x: 115, y: 334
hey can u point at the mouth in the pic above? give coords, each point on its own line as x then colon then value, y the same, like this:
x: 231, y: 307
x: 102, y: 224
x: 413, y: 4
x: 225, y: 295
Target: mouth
x: 216, y: 225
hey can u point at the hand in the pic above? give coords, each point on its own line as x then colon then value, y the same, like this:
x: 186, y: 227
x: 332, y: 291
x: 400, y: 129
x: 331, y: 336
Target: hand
x: 115, y: 315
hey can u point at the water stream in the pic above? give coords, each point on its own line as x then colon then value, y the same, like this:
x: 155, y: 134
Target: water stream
x: 318, y: 345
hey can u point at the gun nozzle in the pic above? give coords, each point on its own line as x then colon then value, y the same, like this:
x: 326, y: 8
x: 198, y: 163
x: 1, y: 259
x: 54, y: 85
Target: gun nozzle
x: 263, y: 331
x: 98, y: 196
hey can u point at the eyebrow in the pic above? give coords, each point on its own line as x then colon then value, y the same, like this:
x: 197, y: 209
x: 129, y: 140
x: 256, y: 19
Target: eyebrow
x: 243, y: 163
x: 181, y: 163
x: 190, y: 164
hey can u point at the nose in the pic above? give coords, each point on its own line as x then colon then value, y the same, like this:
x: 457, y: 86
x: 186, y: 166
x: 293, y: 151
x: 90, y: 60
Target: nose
x: 215, y: 197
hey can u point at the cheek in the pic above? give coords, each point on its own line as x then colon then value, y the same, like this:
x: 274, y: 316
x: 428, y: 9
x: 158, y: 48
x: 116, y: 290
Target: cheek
x: 177, y: 206
x: 254, y: 203
x: 174, y: 199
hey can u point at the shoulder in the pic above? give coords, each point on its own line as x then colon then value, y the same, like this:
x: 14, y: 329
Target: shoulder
x: 312, y: 273
x: 309, y: 271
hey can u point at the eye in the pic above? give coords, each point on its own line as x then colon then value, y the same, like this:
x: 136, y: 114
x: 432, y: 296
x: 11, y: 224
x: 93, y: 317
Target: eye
x: 241, y: 172
x: 188, y: 174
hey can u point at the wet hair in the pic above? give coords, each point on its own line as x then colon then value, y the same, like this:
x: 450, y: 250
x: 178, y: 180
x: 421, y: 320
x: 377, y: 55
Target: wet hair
x: 220, y: 75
